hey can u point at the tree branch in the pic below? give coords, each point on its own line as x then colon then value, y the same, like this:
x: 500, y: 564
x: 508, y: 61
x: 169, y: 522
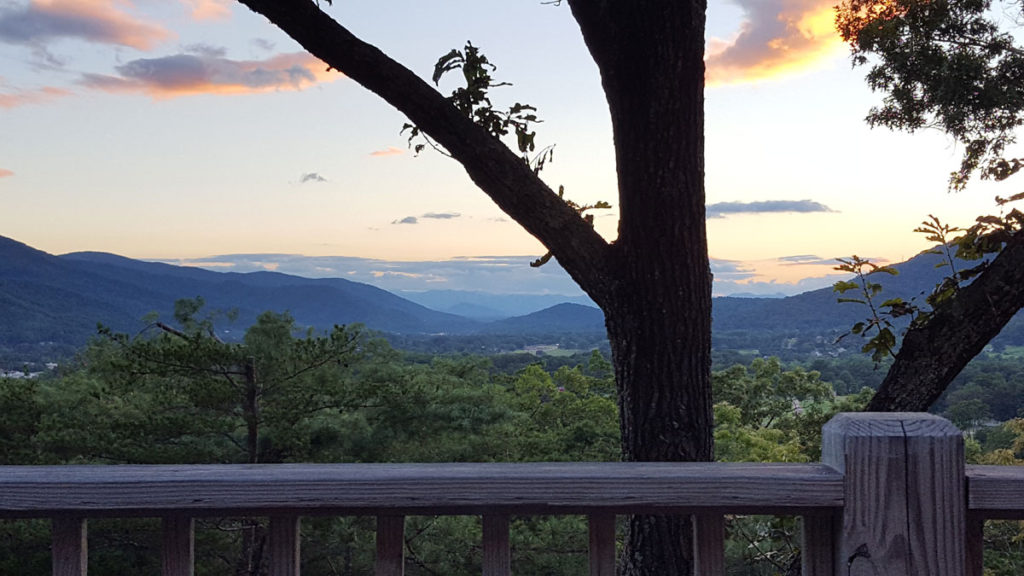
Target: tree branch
x: 498, y: 171
x: 933, y: 353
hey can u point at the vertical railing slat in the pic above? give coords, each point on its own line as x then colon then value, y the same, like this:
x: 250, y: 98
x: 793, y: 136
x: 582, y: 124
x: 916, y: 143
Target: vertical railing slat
x: 602, y: 544
x: 390, y: 546
x: 497, y: 553
x: 285, y: 546
x: 70, y: 552
x: 178, y: 546
x: 975, y: 545
x: 818, y: 553
x: 709, y: 544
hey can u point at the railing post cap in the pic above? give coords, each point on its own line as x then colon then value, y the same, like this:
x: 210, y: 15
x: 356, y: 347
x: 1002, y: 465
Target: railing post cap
x: 903, y: 424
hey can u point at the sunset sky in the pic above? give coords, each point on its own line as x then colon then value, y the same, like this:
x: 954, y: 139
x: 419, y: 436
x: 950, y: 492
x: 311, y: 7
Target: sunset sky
x: 186, y: 130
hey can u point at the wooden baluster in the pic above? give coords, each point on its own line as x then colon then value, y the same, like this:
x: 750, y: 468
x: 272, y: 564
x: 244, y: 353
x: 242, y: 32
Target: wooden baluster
x: 975, y: 545
x: 818, y: 554
x: 497, y: 553
x: 904, y: 512
x: 390, y: 546
x: 602, y: 544
x: 285, y: 544
x: 709, y: 544
x: 178, y: 546
x: 70, y: 549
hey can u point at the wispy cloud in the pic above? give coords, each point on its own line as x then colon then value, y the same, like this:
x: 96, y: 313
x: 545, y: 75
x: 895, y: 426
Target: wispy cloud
x: 205, y: 50
x: 99, y: 21
x: 776, y: 36
x: 12, y: 98
x: 311, y: 177
x: 184, y: 74
x: 389, y: 151
x: 806, y: 260
x: 263, y: 44
x: 4, y: 173
x: 209, y: 9
x: 428, y: 216
x: 720, y: 209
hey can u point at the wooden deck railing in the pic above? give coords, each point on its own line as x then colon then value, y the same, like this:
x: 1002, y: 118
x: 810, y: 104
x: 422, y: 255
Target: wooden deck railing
x: 892, y: 497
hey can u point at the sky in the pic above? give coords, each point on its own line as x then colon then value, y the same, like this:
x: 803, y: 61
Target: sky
x: 195, y: 132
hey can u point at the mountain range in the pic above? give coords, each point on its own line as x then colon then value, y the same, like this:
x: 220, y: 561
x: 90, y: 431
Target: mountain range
x: 59, y: 300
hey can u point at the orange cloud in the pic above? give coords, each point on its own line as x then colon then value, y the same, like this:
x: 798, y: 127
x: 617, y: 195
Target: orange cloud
x: 5, y: 173
x: 185, y: 74
x: 22, y: 97
x: 98, y: 21
x: 776, y: 37
x: 209, y: 9
x: 389, y: 151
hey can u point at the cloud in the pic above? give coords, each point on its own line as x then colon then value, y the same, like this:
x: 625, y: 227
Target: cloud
x: 429, y: 216
x: 263, y: 44
x: 209, y: 9
x: 806, y: 260
x: 776, y: 37
x: 205, y: 50
x: 311, y: 177
x: 730, y: 270
x: 4, y: 173
x: 185, y: 74
x: 720, y: 209
x: 24, y: 97
x: 97, y: 21
x: 389, y: 151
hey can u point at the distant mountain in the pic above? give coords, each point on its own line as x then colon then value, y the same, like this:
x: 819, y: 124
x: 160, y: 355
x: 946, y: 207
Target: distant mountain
x: 564, y: 317
x: 488, y: 305
x: 61, y: 298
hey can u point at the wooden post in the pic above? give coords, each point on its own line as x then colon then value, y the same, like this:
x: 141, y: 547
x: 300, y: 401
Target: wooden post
x: 390, y: 546
x: 179, y: 546
x: 285, y: 544
x: 905, y: 506
x: 602, y: 544
x: 497, y: 553
x: 70, y: 549
x: 709, y: 544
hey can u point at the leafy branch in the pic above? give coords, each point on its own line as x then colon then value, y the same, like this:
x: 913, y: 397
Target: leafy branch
x: 883, y: 342
x: 473, y: 100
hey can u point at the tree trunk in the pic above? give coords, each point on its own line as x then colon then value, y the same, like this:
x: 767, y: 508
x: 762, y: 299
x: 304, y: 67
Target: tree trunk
x: 933, y: 353
x: 659, y: 322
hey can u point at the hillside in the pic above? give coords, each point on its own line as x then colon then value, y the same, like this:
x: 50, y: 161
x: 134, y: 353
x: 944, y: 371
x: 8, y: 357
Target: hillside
x: 60, y: 299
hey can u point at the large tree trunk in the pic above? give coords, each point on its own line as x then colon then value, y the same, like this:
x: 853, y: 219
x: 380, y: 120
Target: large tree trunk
x: 654, y: 282
x: 933, y: 353
x: 652, y: 68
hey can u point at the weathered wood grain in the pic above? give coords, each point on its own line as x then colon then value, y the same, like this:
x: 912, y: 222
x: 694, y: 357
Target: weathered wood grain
x: 70, y: 552
x: 390, y: 559
x: 340, y: 489
x: 602, y: 544
x: 709, y: 544
x: 818, y: 553
x: 996, y: 491
x: 179, y: 554
x: 497, y: 551
x: 285, y: 546
x: 904, y: 512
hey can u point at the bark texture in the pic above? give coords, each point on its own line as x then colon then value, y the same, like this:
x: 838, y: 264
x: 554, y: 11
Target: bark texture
x: 654, y: 282
x: 933, y: 353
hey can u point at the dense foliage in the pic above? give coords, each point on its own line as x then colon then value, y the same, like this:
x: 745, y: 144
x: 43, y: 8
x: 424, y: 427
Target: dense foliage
x: 176, y: 394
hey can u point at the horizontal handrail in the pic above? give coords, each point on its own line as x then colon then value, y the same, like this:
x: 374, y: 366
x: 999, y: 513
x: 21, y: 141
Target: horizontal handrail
x: 411, y: 489
x: 996, y: 491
